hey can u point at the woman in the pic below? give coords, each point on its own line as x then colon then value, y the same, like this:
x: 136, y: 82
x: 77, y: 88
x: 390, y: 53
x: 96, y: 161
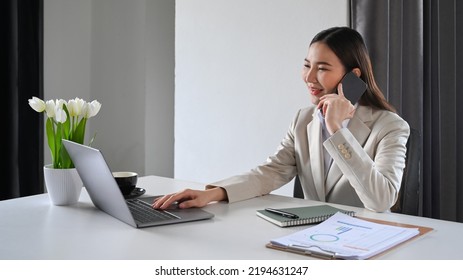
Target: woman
x: 351, y: 154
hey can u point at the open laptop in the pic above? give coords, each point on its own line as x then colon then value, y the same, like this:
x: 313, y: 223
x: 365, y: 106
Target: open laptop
x: 106, y: 195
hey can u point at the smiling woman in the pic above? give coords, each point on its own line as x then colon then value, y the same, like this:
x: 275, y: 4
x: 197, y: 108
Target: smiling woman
x: 322, y: 71
x: 352, y: 154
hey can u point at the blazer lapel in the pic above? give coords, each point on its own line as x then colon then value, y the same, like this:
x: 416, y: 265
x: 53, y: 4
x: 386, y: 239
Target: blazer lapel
x: 359, y: 128
x: 316, y: 155
x: 358, y: 125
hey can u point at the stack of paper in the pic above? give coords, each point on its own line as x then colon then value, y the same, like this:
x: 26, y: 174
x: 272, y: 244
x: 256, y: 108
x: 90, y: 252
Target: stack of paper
x: 345, y: 237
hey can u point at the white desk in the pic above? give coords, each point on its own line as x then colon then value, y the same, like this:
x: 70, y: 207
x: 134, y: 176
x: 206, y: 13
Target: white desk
x: 32, y: 228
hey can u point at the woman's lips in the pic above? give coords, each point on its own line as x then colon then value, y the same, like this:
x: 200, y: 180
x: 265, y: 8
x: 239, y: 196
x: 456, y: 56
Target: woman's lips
x: 315, y: 91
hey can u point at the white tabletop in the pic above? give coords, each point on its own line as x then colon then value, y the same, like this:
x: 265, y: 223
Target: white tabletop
x: 32, y: 228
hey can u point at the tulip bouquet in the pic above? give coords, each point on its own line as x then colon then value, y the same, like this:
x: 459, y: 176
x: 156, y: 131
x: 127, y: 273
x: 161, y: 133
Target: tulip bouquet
x: 65, y: 120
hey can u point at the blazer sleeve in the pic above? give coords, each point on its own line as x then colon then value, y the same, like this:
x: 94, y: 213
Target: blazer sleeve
x: 278, y: 170
x: 375, y: 170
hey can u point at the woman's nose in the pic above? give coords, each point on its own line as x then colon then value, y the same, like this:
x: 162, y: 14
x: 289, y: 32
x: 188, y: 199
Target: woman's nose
x: 309, y: 76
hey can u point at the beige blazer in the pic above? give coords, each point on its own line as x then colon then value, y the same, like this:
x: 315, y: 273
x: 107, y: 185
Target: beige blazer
x: 368, y: 161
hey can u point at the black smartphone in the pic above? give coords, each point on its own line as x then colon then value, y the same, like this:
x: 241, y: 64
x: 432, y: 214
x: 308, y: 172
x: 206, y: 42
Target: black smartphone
x: 353, y: 87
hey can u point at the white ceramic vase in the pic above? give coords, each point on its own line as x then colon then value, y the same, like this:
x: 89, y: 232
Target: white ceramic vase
x: 63, y: 185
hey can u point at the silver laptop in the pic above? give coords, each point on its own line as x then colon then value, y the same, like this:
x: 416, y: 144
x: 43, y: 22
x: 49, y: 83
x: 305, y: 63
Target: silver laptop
x: 106, y: 195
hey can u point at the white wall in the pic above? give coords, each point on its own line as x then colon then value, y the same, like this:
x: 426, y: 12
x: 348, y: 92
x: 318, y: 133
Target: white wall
x: 122, y: 54
x: 118, y: 81
x: 67, y: 47
x: 160, y: 87
x: 238, y: 82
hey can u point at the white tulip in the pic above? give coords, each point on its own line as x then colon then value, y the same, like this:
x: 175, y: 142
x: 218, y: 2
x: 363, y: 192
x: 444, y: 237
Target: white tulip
x: 50, y: 108
x: 37, y: 104
x: 91, y: 109
x: 60, y: 103
x: 60, y: 115
x: 75, y: 107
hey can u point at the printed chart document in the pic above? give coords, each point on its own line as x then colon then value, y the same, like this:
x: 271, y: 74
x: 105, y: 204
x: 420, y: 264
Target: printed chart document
x: 345, y: 237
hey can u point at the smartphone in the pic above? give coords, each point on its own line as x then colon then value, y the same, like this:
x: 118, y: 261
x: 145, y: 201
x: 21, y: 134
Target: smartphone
x: 353, y: 87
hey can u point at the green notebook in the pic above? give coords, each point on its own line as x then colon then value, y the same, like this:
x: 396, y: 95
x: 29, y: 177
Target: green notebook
x: 306, y: 215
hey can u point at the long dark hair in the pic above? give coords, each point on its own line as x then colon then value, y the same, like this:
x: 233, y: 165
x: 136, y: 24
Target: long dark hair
x: 349, y: 47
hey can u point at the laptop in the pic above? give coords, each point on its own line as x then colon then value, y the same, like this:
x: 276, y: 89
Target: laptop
x: 106, y: 195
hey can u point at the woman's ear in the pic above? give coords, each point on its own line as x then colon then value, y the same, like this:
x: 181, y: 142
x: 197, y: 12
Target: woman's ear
x: 357, y: 72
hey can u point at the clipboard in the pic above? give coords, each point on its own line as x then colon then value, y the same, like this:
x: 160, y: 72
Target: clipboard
x: 327, y: 255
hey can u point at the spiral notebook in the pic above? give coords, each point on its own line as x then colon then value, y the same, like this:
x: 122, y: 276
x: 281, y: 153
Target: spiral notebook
x: 306, y: 215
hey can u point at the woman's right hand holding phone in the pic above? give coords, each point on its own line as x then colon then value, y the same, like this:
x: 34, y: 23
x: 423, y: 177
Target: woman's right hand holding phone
x: 336, y: 108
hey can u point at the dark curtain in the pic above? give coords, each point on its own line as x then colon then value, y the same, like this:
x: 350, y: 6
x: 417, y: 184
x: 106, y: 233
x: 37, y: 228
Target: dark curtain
x: 22, y: 62
x: 415, y: 47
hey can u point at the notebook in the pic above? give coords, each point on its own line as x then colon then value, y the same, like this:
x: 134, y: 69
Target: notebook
x: 106, y: 195
x: 305, y: 215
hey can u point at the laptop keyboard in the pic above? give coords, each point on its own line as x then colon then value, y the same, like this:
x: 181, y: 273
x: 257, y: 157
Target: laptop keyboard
x: 143, y: 212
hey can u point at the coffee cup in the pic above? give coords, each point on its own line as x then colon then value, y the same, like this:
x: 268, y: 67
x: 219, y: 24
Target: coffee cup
x: 126, y: 180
